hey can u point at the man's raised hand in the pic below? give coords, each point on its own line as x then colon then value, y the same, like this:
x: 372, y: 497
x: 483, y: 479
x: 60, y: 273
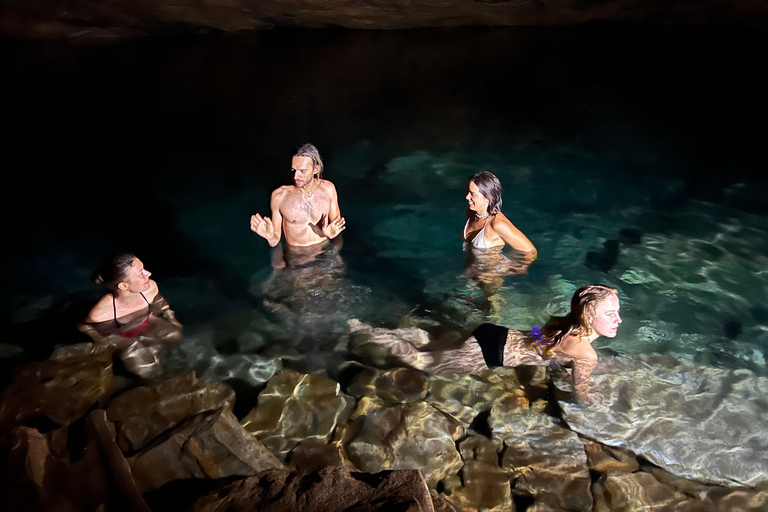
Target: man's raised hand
x: 262, y: 226
x: 332, y: 229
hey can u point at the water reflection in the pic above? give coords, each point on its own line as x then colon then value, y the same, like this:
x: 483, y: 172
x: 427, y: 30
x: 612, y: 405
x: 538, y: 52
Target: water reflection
x: 309, y: 291
x: 489, y: 268
x: 300, y: 272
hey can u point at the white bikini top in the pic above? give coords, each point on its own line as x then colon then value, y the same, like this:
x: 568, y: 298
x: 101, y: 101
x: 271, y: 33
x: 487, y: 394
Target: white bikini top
x: 478, y: 242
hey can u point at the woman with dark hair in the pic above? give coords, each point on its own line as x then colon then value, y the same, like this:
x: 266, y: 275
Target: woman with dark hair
x: 564, y: 340
x: 132, y: 316
x: 486, y: 226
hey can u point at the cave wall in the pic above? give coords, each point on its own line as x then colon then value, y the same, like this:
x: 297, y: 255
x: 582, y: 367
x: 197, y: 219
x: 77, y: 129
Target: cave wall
x: 52, y: 19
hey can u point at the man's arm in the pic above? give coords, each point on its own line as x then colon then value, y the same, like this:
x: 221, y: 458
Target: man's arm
x: 270, y: 229
x: 334, y: 222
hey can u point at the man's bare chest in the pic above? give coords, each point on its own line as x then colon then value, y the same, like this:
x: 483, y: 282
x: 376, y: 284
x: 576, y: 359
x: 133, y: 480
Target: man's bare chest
x: 305, y: 208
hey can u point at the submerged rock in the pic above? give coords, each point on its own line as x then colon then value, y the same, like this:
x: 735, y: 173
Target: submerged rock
x: 211, y: 445
x: 481, y: 483
x: 143, y: 413
x: 412, y: 436
x: 654, y: 489
x: 330, y: 489
x: 62, y: 388
x: 465, y: 396
x: 697, y: 422
x: 637, y: 491
x: 605, y: 459
x: 296, y: 407
x: 396, y: 386
x: 543, y: 460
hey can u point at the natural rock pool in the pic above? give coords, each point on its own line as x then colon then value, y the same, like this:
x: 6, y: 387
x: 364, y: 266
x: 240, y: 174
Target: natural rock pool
x: 628, y: 156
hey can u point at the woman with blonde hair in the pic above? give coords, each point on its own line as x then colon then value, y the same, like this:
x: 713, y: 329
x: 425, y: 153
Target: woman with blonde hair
x: 565, y: 340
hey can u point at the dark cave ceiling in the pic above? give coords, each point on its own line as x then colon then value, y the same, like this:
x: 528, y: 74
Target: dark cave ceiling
x: 53, y: 19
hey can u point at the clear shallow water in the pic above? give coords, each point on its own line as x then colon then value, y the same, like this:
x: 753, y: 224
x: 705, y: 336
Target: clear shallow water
x: 165, y: 148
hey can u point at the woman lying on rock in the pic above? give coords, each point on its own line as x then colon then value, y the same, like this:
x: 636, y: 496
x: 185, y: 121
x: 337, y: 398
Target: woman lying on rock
x: 132, y: 316
x: 564, y: 340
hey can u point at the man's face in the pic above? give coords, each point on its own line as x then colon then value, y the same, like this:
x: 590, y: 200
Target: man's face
x: 302, y: 170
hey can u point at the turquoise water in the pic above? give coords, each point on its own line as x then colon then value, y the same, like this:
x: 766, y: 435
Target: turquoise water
x: 626, y: 157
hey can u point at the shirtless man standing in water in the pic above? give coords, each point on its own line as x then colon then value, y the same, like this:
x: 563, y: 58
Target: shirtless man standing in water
x: 308, y: 210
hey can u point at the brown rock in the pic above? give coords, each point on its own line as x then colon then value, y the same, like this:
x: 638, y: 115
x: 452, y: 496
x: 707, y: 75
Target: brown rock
x: 294, y: 407
x: 315, y: 454
x: 211, y: 445
x: 41, y: 473
x: 143, y: 413
x: 542, y: 459
x: 482, y: 484
x: 413, y: 436
x: 441, y: 504
x: 396, y: 386
x: 746, y: 500
x: 465, y: 396
x: 329, y: 489
x: 605, y: 459
x: 628, y: 492
x: 62, y: 388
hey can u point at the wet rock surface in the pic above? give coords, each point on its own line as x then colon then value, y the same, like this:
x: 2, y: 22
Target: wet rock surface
x: 394, y: 439
x: 62, y: 388
x: 697, y: 422
x: 414, y: 436
x: 143, y: 413
x: 481, y: 484
x: 211, y: 445
x: 400, y: 385
x: 543, y: 460
x: 329, y: 489
x: 464, y: 397
x: 296, y: 407
x: 74, y: 469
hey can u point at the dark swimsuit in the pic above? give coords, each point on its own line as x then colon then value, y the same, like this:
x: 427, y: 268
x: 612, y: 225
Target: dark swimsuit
x: 493, y: 338
x: 138, y: 330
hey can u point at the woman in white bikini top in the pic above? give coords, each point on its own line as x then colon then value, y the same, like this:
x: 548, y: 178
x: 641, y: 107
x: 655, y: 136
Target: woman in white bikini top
x: 486, y: 226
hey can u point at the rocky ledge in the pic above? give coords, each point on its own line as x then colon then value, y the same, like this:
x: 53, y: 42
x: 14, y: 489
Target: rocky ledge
x: 662, y: 434
x: 109, y: 18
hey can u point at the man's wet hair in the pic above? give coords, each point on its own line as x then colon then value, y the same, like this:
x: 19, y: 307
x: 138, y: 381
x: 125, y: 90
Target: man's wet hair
x: 311, y: 151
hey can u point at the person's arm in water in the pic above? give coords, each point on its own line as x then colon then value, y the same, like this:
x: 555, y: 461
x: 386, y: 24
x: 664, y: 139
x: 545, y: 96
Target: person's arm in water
x: 584, y: 360
x: 332, y: 223
x: 270, y: 229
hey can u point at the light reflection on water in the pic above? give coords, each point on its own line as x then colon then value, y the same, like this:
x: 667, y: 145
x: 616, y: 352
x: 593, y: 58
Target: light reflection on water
x: 596, y: 170
x: 690, y: 276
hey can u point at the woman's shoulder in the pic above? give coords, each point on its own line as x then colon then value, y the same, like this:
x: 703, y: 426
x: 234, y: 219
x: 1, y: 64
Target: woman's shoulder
x: 102, y: 311
x: 576, y: 347
x: 500, y: 218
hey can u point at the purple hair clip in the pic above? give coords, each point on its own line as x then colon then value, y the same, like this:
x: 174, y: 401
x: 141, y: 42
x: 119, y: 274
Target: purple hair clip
x: 536, y: 331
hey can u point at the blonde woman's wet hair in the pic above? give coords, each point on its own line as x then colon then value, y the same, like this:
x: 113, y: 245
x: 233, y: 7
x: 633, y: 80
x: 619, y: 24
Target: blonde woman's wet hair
x: 310, y: 151
x: 579, y: 320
